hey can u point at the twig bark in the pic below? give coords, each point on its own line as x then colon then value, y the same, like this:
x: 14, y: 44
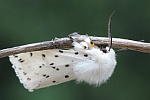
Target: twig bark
x: 66, y: 43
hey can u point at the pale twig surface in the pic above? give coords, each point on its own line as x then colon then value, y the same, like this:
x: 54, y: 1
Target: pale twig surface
x: 67, y: 43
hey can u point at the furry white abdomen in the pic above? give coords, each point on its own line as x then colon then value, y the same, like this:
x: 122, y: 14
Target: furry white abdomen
x: 97, y: 69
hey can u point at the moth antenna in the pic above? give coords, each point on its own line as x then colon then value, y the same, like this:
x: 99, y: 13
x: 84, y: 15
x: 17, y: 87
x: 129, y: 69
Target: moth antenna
x: 110, y: 31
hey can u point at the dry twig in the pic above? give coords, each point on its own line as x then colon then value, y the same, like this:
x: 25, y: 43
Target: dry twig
x: 66, y: 43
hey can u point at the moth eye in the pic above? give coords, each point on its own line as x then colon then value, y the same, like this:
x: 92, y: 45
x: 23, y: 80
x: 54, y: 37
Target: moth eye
x: 92, y: 44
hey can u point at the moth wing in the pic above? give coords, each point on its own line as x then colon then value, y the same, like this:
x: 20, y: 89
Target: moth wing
x: 45, y: 68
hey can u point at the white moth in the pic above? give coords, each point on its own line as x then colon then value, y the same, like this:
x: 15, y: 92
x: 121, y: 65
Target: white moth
x: 85, y: 62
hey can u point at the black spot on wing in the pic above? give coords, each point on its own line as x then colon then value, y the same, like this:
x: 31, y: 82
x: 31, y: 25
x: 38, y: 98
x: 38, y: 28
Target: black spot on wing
x: 28, y: 79
x: 51, y: 63
x: 76, y: 53
x: 67, y: 65
x: 53, y: 67
x: 54, y: 81
x: 46, y: 76
x: 57, y: 69
x: 36, y: 73
x: 24, y: 73
x: 85, y: 55
x: 66, y: 76
x: 31, y: 54
x: 21, y: 60
x: 15, y: 56
x: 20, y: 68
x: 40, y: 66
x: 61, y: 51
x: 56, y: 55
x: 43, y: 55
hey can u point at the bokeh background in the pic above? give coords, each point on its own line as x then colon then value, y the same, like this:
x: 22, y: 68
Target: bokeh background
x: 30, y: 21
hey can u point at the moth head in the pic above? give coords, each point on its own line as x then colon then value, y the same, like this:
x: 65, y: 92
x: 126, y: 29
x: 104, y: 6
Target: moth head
x: 104, y: 48
x: 89, y: 44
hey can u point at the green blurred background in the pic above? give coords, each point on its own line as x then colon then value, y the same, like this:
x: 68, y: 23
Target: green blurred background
x: 28, y: 21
